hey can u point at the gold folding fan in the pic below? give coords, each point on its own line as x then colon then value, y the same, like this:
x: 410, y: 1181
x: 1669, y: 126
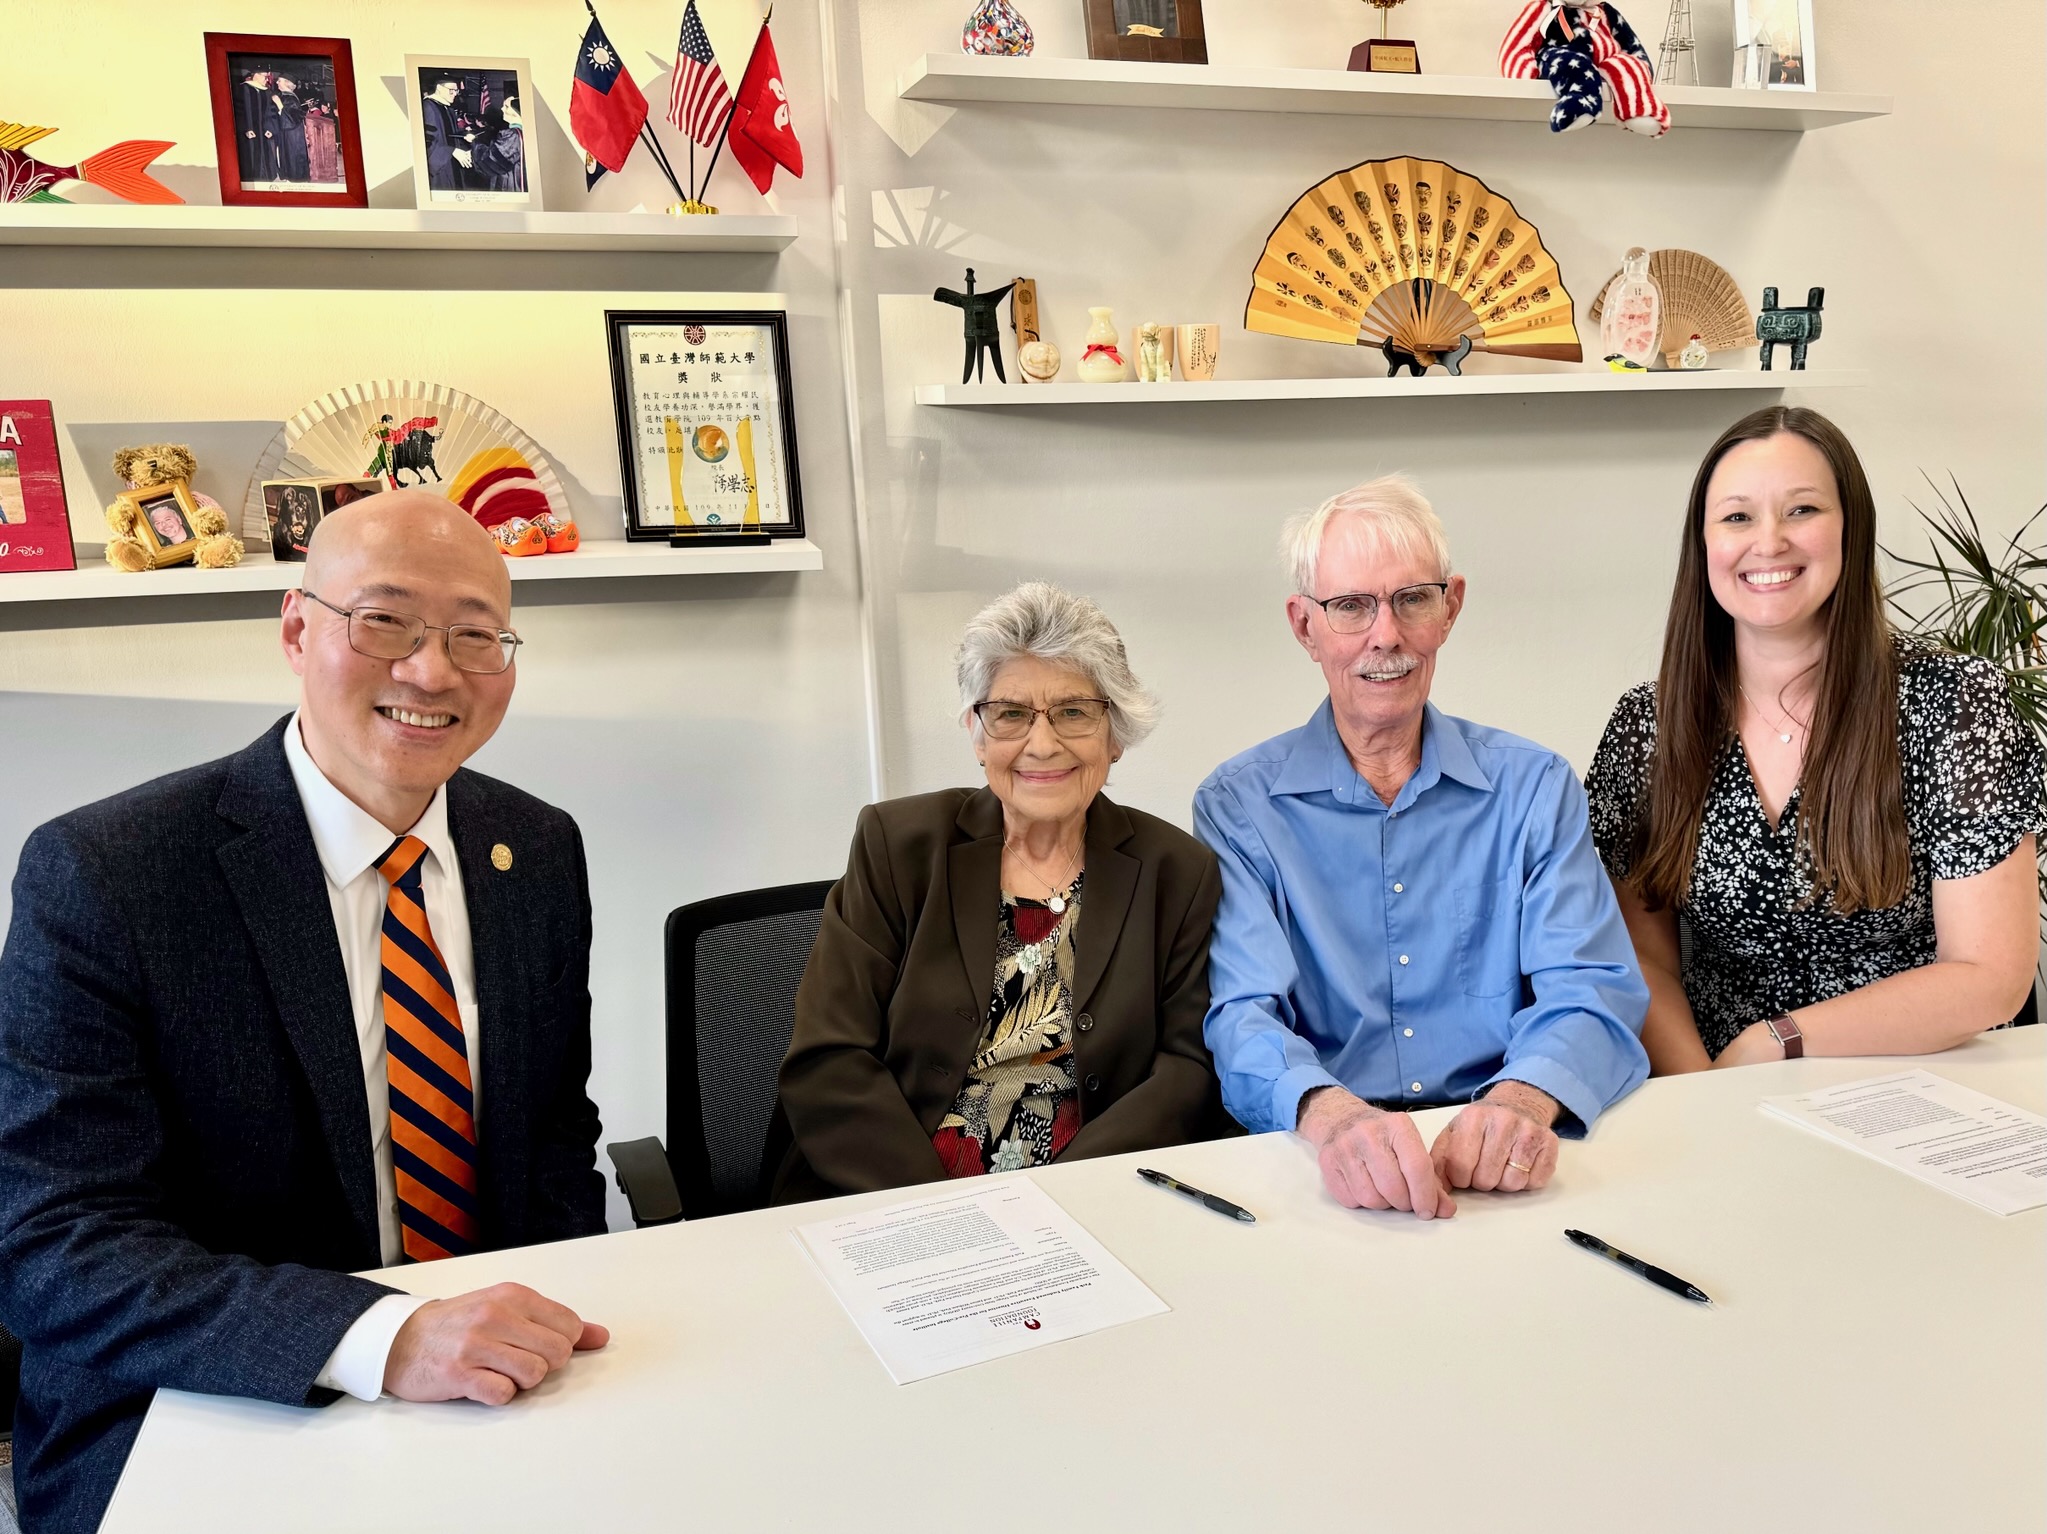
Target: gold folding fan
x: 1699, y: 299
x: 1412, y: 257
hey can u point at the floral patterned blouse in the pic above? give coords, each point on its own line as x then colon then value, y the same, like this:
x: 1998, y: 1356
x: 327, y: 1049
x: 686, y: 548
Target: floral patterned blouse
x: 1752, y: 947
x: 1018, y: 1106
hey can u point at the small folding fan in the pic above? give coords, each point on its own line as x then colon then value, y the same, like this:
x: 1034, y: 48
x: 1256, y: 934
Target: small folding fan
x: 412, y: 434
x: 1699, y: 299
x: 1418, y: 259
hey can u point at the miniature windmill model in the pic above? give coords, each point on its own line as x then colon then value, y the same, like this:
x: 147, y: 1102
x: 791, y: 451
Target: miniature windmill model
x: 1680, y: 50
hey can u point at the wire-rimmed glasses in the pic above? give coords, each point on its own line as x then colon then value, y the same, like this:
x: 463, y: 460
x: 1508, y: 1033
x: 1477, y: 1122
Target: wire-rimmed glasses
x: 1071, y: 718
x: 384, y: 635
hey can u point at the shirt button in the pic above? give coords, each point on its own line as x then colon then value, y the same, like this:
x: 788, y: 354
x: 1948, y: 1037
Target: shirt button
x: 1398, y: 888
x: 1094, y: 1084
x: 1403, y: 958
x: 1086, y: 1022
x: 1414, y: 1086
x: 1407, y: 1033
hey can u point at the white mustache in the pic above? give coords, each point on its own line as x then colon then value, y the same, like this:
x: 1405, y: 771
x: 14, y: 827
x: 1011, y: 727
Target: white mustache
x: 1389, y: 668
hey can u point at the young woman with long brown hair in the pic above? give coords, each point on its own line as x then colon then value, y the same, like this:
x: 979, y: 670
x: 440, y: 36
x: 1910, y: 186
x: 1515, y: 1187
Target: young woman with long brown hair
x: 1843, y: 818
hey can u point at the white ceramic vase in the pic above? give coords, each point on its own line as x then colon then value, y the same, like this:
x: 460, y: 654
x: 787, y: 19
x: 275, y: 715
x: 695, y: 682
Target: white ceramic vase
x: 1101, y: 360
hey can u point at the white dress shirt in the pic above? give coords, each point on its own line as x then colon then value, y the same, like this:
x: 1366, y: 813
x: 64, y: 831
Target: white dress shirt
x: 351, y: 842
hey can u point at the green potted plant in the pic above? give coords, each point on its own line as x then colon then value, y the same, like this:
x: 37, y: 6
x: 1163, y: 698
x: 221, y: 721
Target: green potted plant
x: 1983, y: 601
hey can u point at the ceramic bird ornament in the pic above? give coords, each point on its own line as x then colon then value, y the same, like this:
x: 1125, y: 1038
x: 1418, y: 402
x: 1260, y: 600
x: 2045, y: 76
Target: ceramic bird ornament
x: 122, y: 170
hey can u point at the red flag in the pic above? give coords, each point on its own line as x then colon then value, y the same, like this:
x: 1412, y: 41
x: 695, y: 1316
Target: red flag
x: 606, y: 110
x: 760, y: 133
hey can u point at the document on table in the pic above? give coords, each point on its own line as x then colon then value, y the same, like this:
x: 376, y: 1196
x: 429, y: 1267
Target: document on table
x: 941, y: 1282
x: 1975, y: 1147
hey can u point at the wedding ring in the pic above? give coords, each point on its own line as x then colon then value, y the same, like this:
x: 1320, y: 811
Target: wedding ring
x: 1517, y: 1166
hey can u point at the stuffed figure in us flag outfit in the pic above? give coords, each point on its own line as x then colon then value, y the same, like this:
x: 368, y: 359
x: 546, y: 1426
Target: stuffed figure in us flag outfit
x: 1590, y: 56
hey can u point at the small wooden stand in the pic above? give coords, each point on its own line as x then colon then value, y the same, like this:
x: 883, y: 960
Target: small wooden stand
x: 1386, y: 56
x: 719, y: 541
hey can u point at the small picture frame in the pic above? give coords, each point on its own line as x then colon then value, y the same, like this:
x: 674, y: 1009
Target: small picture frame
x: 1773, y: 45
x: 706, y: 424
x: 165, y: 520
x: 1146, y: 31
x: 294, y: 507
x: 470, y: 148
x: 284, y: 121
x: 35, y: 527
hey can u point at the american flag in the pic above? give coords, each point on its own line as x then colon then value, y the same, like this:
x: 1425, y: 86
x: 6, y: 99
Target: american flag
x: 697, y: 98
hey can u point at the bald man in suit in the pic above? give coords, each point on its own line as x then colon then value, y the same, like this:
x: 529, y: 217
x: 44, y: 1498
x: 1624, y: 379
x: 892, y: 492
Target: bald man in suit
x: 318, y: 1007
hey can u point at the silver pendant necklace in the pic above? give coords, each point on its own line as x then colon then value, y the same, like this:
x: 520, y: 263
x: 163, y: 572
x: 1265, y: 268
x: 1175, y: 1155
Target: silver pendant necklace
x: 1782, y: 735
x: 1057, y: 901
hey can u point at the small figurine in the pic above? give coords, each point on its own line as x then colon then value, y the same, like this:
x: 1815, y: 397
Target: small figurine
x: 1800, y: 326
x: 1038, y: 361
x: 1154, y: 361
x: 1620, y: 364
x: 1101, y: 362
x: 982, y: 335
x: 1693, y: 357
x: 1585, y: 51
x: 203, y: 535
x: 996, y: 27
x: 122, y: 170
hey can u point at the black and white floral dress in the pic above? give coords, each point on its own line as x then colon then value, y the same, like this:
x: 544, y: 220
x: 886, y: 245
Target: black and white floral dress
x: 1756, y: 943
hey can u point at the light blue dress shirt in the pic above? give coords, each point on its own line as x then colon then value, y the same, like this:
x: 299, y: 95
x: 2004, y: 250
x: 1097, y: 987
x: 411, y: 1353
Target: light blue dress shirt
x: 1418, y: 952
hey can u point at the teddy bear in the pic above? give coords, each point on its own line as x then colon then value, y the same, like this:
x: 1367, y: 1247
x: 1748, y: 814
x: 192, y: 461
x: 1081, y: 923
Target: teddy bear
x: 162, y: 463
x: 1590, y: 56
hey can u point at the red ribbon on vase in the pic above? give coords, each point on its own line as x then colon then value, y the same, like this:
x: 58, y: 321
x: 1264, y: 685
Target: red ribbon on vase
x: 1106, y: 348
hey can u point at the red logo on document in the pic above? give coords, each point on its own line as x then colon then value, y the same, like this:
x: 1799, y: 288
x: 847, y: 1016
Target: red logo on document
x: 1033, y: 1324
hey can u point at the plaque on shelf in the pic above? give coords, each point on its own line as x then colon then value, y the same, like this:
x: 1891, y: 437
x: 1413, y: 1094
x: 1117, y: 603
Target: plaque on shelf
x: 1146, y: 31
x: 706, y: 423
x: 1382, y: 54
x: 35, y: 529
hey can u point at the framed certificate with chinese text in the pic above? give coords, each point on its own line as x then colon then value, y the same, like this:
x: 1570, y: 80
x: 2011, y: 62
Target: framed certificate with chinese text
x: 706, y: 425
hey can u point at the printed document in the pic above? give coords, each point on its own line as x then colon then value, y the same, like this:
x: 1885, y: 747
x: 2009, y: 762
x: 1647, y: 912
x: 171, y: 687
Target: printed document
x: 949, y: 1280
x: 1975, y: 1147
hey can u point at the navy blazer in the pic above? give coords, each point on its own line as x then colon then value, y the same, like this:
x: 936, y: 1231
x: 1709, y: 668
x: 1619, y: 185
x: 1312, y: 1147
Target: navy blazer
x: 186, y: 1178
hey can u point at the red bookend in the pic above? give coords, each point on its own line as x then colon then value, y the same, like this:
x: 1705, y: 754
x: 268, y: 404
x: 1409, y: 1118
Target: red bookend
x: 35, y: 533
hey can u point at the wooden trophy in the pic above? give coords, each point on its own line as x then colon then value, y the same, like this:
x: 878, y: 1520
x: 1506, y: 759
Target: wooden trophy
x: 1383, y: 54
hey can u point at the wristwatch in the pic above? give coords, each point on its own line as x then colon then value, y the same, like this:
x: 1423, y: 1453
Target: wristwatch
x: 1786, y: 1033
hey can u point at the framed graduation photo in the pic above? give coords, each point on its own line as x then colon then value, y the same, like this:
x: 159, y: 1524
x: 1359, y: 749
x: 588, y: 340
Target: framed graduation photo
x: 284, y: 121
x: 469, y: 142
x: 706, y: 426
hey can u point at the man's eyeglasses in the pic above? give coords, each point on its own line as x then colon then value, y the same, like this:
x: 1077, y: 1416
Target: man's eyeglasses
x: 384, y: 635
x: 1413, y: 607
x: 1074, y: 719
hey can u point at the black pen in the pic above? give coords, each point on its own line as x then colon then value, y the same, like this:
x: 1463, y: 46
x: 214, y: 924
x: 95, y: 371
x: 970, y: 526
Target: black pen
x: 1655, y: 1275
x: 1219, y: 1205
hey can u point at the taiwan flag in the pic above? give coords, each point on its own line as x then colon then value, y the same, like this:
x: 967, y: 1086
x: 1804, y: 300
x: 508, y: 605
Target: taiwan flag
x: 759, y: 132
x: 606, y: 110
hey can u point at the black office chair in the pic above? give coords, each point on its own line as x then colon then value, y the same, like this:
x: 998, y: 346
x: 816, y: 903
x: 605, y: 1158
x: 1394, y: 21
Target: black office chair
x: 733, y: 966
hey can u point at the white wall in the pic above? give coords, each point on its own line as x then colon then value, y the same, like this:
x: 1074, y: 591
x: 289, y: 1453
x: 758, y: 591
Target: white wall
x: 709, y: 734
x: 1563, y: 513
x: 713, y: 734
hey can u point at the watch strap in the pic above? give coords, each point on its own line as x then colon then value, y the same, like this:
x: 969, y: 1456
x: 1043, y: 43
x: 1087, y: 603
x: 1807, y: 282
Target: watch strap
x: 1787, y: 1033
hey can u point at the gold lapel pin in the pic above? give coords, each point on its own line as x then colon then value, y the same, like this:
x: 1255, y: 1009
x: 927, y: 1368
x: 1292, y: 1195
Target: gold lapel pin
x: 501, y: 857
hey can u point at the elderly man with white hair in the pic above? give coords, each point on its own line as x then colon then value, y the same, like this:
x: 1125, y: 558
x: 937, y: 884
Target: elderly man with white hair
x: 1013, y: 974
x: 1413, y: 913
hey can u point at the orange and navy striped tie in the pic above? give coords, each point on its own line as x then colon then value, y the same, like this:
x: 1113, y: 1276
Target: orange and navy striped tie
x: 433, y: 1124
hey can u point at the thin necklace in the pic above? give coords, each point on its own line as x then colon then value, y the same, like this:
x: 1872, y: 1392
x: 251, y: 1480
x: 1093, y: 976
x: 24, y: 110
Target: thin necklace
x: 1783, y: 735
x: 1057, y: 902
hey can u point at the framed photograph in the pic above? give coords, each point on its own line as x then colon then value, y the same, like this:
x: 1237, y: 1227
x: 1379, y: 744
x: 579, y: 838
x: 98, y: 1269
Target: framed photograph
x: 284, y: 121
x: 294, y: 507
x: 164, y: 521
x: 1146, y: 31
x: 35, y: 528
x: 1773, y: 45
x: 469, y: 146
x: 706, y: 424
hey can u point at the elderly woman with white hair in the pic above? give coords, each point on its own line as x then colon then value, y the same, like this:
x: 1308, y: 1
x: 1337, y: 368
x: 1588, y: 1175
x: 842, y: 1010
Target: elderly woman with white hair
x: 1014, y: 974
x: 1413, y: 911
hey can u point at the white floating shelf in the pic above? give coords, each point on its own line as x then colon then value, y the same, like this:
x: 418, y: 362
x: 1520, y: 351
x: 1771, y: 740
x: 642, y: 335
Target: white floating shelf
x: 388, y: 228
x: 1034, y: 81
x: 1432, y: 386
x: 95, y: 582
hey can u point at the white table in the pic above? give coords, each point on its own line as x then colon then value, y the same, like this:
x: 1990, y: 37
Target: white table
x: 1873, y: 1362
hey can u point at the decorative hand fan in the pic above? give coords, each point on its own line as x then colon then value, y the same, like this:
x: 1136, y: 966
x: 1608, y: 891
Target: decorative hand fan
x: 1699, y: 299
x: 412, y: 435
x: 1418, y: 259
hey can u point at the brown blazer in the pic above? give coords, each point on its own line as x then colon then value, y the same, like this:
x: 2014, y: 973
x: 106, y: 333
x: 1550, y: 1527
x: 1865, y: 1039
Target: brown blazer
x: 895, y: 997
